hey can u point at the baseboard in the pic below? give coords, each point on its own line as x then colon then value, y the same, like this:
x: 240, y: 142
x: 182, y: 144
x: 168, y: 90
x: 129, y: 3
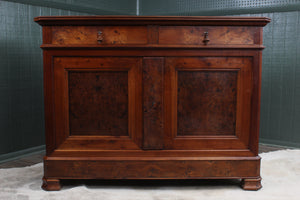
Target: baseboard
x: 289, y: 145
x: 22, y: 153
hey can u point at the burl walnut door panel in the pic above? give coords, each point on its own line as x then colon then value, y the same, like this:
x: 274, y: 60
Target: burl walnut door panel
x: 207, y: 102
x: 91, y: 110
x: 97, y: 103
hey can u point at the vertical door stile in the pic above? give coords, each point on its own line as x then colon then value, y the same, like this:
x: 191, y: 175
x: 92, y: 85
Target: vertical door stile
x: 153, y: 103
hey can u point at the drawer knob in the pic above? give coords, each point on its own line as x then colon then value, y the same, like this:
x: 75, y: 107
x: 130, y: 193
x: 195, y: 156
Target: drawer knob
x: 99, y: 37
x: 205, y: 40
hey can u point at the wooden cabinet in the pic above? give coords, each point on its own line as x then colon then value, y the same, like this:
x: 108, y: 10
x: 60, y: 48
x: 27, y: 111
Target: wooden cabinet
x: 152, y: 98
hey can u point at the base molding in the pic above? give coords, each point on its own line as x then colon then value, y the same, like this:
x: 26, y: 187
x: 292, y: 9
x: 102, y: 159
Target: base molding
x: 245, y: 168
x: 151, y: 168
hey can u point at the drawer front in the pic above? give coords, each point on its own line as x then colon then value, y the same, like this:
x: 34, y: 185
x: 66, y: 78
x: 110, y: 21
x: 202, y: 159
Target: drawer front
x: 215, y: 35
x: 91, y: 35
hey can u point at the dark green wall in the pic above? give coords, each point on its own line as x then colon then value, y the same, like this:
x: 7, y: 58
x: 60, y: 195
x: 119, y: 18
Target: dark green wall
x: 280, y: 98
x: 21, y: 70
x: 92, y: 7
x: 21, y: 76
x: 215, y: 7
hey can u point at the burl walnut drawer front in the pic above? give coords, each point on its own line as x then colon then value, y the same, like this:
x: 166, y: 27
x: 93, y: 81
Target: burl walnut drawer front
x: 165, y: 35
x: 207, y: 35
x: 87, y: 35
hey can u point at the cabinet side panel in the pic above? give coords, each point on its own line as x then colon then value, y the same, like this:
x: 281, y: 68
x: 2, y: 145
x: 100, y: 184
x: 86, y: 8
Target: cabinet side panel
x: 255, y: 104
x: 49, y: 103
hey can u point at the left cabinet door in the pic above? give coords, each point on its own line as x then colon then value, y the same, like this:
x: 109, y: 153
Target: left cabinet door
x: 97, y: 103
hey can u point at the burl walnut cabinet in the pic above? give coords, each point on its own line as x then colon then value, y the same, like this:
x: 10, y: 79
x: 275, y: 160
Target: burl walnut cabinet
x: 152, y: 98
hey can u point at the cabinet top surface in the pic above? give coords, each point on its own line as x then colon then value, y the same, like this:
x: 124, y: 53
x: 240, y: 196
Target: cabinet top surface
x: 152, y: 20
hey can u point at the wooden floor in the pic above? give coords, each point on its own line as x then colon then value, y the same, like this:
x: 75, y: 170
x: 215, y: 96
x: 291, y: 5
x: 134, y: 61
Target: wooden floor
x: 37, y: 158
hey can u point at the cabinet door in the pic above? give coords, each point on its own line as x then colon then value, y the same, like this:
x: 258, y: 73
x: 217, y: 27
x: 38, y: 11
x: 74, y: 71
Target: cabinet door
x: 207, y: 102
x: 97, y: 103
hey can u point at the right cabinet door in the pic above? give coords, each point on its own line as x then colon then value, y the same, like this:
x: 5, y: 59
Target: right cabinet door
x: 207, y: 102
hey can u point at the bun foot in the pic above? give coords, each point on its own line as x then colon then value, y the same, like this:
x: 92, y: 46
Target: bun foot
x: 251, y: 183
x: 50, y: 184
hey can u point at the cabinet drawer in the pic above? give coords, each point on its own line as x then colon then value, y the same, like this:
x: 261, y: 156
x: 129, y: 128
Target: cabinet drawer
x: 217, y: 35
x: 65, y: 35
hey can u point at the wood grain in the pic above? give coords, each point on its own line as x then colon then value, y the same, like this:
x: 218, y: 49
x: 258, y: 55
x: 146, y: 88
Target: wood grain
x: 153, y: 103
x: 151, y: 169
x: 28, y: 160
x: 98, y: 103
x: 51, y: 184
x: 63, y: 35
x: 98, y: 97
x: 194, y: 35
x: 251, y: 183
x: 206, y: 102
x: 175, y: 118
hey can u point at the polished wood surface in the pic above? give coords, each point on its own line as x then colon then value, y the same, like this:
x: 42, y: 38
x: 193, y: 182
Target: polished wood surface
x: 181, y: 114
x: 168, y: 35
x: 63, y: 35
x: 153, y: 103
x: 98, y: 103
x: 152, y: 98
x: 97, y: 96
x: 151, y: 168
x: 211, y: 113
x: 37, y: 157
x: 152, y: 20
x: 185, y: 35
